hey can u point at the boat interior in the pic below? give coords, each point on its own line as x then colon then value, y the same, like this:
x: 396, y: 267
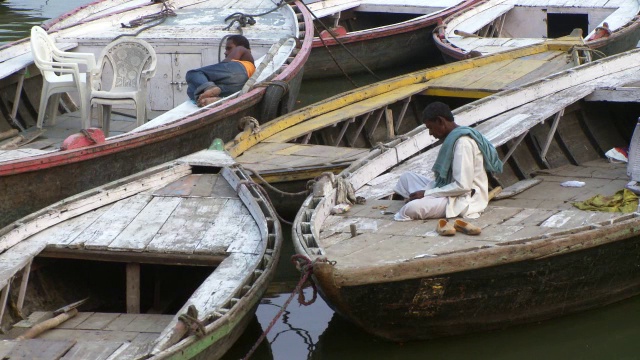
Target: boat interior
x: 568, y: 146
x: 494, y: 26
x: 355, y: 16
x: 181, y: 237
x: 191, y: 39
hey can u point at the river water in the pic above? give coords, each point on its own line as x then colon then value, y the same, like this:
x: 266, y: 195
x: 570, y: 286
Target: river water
x: 315, y: 332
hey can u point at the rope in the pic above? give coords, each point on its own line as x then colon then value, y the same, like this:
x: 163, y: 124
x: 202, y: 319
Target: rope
x: 248, y: 122
x: 340, y: 42
x: 190, y: 320
x: 166, y: 11
x: 271, y: 187
x: 248, y: 19
x: 334, y: 58
x: 305, y: 266
x: 88, y: 135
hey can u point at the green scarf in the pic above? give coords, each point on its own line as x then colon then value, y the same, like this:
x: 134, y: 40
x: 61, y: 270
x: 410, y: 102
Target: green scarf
x: 622, y: 201
x: 442, y: 167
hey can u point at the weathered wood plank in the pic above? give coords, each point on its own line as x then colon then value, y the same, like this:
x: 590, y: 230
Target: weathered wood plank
x: 205, y: 185
x: 111, y: 223
x: 226, y: 226
x: 64, y: 233
x: 97, y: 321
x: 137, y: 235
x: 88, y: 335
x: 139, y: 346
x: 40, y: 349
x: 94, y: 350
x: 149, y: 323
x: 180, y: 187
x: 186, y: 227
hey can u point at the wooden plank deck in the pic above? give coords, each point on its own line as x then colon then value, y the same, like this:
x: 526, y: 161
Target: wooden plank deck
x: 88, y: 335
x: 544, y: 208
x: 273, y: 156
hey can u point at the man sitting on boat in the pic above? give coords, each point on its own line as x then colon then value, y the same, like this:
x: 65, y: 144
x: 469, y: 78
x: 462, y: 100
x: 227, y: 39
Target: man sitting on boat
x: 461, y: 185
x: 207, y: 84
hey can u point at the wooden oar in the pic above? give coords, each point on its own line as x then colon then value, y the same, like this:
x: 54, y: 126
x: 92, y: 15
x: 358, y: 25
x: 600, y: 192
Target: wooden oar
x: 61, y: 315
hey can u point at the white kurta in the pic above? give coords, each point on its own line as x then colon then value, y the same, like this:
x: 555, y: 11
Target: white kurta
x: 468, y: 174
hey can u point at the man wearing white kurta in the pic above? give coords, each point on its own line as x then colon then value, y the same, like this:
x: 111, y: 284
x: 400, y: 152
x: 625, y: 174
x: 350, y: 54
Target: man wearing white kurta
x: 461, y: 185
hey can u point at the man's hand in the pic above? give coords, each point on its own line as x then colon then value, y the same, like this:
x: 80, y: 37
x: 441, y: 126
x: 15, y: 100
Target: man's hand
x: 416, y: 195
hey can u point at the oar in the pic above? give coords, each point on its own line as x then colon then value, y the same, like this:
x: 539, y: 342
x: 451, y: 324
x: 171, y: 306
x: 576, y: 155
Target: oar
x: 61, y: 315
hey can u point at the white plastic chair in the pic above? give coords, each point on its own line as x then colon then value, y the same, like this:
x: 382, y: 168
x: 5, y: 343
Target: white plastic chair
x: 133, y: 63
x: 60, y: 73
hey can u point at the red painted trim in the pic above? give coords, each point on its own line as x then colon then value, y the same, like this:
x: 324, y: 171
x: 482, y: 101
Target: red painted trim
x: 399, y: 28
x: 185, y: 125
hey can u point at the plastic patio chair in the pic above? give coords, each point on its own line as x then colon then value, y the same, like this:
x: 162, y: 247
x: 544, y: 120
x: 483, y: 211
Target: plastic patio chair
x: 133, y: 63
x: 60, y: 73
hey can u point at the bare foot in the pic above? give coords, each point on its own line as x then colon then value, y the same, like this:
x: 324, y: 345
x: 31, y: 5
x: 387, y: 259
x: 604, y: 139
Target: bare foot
x: 206, y: 101
x: 213, y: 91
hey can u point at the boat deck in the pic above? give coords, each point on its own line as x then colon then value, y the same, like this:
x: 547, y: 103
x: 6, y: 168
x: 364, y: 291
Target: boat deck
x: 88, y: 335
x: 545, y: 208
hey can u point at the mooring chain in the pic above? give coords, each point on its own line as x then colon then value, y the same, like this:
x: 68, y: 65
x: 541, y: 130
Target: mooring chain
x: 305, y: 266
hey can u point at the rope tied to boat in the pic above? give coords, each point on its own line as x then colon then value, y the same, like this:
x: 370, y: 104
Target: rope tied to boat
x: 305, y: 266
x: 190, y: 320
x: 167, y: 10
x: 248, y: 19
x: 249, y: 123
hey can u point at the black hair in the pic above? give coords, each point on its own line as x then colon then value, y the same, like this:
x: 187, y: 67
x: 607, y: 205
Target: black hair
x: 239, y: 40
x: 435, y: 109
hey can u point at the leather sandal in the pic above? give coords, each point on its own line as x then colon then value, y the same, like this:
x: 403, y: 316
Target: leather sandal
x: 445, y: 228
x: 466, y: 228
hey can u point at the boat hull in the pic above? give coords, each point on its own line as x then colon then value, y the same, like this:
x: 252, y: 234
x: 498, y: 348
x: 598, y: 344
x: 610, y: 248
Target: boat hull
x: 375, y: 52
x: 491, y: 298
x: 32, y: 183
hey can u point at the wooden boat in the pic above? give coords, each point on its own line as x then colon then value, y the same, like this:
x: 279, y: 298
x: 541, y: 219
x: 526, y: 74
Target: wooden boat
x: 329, y: 135
x: 381, y: 34
x: 38, y: 174
x: 491, y: 26
x: 538, y: 257
x: 146, y: 250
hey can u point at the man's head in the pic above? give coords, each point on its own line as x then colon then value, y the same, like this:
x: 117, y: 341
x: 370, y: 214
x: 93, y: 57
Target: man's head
x: 235, y: 40
x: 437, y: 117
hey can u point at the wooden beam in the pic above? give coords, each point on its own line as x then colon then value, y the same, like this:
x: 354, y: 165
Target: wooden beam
x: 137, y: 257
x: 554, y: 126
x: 23, y: 286
x: 621, y: 94
x: 133, y: 288
x: 345, y: 125
x: 3, y: 299
x: 359, y: 129
x: 388, y: 116
x: 16, y: 99
x: 402, y: 112
x: 513, y: 148
x: 306, y: 138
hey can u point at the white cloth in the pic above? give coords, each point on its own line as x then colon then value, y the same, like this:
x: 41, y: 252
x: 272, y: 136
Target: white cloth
x: 468, y: 174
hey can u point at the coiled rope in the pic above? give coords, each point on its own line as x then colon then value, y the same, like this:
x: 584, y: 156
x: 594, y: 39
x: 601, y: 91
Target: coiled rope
x: 167, y: 10
x: 305, y: 266
x: 248, y: 19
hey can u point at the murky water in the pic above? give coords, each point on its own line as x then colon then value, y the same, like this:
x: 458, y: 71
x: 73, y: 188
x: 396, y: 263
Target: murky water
x: 315, y: 332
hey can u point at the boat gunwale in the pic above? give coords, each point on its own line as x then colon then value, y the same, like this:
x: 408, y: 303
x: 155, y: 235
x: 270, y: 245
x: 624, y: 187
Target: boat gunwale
x: 394, y: 29
x: 458, y: 53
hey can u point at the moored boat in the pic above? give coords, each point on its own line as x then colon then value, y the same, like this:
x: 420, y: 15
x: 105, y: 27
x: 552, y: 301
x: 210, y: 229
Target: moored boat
x: 537, y: 256
x: 491, y: 26
x: 329, y: 135
x: 381, y: 34
x: 37, y: 174
x: 168, y: 263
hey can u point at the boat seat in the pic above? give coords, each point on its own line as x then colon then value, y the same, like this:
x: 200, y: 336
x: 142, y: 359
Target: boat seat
x: 132, y: 63
x: 60, y: 73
